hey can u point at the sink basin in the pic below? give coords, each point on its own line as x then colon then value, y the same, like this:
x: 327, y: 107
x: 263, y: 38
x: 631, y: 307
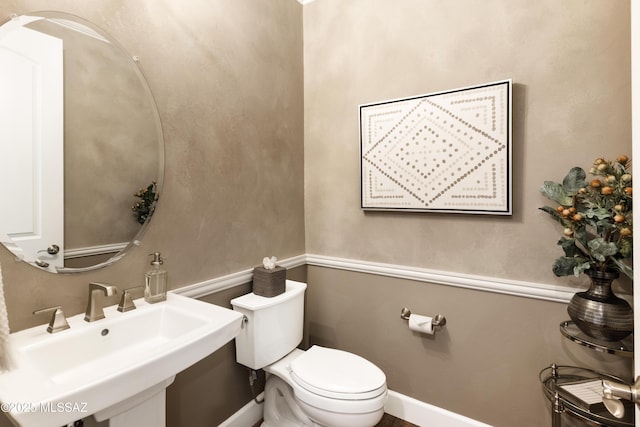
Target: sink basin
x: 103, y: 367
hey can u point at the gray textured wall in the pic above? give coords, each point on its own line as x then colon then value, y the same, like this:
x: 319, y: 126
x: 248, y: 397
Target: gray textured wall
x: 570, y: 64
x: 227, y: 78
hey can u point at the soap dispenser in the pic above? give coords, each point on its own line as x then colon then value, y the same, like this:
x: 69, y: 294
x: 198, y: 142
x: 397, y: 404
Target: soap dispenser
x: 155, y: 281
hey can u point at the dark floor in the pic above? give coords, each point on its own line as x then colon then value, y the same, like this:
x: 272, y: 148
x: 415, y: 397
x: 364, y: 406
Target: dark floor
x: 386, y: 421
x: 391, y: 421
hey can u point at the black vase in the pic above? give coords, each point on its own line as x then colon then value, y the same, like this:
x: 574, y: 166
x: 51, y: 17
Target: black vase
x: 598, y: 312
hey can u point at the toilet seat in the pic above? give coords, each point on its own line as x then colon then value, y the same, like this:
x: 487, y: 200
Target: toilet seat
x: 337, y: 374
x: 322, y: 408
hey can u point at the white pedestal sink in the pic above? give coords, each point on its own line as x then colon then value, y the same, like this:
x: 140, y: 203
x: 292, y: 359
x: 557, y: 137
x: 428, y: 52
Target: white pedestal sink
x: 116, y: 368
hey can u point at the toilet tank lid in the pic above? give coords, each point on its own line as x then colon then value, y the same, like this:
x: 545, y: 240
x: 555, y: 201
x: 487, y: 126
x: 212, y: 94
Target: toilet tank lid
x: 254, y: 302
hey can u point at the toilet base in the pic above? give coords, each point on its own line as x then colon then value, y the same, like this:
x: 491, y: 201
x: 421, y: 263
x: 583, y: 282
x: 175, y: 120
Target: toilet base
x: 333, y: 419
x: 280, y: 407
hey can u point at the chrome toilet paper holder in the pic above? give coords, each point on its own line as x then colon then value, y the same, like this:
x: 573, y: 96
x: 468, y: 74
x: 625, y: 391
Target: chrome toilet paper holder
x: 438, y: 320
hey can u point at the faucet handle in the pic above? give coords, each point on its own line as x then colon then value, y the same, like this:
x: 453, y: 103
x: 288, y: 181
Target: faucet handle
x: 126, y: 302
x: 58, y: 321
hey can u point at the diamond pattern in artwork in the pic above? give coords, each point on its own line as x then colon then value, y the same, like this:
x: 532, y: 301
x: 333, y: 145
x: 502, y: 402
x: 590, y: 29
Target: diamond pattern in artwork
x: 445, y: 152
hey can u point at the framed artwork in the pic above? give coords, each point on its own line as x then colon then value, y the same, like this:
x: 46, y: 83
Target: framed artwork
x: 446, y: 152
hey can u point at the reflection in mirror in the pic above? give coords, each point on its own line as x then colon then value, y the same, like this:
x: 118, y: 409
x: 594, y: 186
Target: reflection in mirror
x: 81, y: 144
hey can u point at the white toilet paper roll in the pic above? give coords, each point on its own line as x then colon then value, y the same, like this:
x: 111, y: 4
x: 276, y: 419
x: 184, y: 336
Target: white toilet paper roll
x: 423, y: 324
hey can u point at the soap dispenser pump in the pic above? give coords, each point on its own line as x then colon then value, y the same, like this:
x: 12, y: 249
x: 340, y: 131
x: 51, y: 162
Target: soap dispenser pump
x: 155, y: 281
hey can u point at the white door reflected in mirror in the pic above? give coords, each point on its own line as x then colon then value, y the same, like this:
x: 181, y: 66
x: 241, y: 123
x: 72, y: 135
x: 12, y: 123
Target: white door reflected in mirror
x: 32, y: 90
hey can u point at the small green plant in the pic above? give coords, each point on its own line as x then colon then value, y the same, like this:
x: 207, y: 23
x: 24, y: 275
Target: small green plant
x: 596, y: 217
x: 145, y: 207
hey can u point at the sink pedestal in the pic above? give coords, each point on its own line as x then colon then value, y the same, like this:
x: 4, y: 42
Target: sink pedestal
x: 146, y: 409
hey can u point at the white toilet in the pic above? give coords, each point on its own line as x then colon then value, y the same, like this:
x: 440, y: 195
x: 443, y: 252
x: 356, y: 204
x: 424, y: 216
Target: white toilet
x: 317, y: 387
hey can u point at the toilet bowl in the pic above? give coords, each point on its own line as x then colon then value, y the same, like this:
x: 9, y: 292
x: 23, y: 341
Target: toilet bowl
x: 331, y: 388
x: 318, y: 387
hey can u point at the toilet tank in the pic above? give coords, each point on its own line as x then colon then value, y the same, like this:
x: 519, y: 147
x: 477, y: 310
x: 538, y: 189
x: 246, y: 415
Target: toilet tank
x: 273, y: 327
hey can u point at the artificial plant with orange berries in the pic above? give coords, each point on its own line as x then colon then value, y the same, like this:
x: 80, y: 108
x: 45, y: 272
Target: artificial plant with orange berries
x: 596, y: 217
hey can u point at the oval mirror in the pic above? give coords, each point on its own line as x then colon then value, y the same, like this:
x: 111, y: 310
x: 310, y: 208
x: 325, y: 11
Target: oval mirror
x: 81, y: 146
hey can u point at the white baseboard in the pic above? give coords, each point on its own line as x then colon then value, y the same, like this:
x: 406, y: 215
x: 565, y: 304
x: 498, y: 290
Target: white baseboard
x: 398, y: 405
x: 247, y: 416
x: 423, y: 414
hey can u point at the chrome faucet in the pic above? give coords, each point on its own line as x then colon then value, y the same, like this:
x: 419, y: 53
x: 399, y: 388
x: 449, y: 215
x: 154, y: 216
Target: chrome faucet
x: 94, y: 311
